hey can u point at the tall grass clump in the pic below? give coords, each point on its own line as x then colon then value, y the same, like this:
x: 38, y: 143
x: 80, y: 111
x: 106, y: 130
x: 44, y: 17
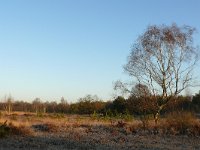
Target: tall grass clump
x: 19, y: 130
x: 8, y: 129
x: 181, y: 123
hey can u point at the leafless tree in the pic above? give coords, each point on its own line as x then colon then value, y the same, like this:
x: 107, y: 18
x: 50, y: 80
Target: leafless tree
x: 36, y: 105
x: 8, y: 104
x: 163, y: 58
x: 141, y: 90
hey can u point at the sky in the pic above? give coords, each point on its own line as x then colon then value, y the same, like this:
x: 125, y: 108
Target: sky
x: 71, y: 48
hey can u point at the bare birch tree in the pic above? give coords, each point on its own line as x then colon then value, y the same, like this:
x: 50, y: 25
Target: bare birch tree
x: 8, y: 104
x: 163, y: 58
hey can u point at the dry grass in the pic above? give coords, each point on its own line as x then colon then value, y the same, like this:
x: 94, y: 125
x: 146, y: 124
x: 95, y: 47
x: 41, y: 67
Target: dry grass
x: 181, y: 123
x: 88, y: 133
x: 9, y: 129
x: 20, y: 130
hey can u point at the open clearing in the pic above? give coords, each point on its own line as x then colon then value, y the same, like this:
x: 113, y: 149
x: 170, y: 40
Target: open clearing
x: 79, y: 132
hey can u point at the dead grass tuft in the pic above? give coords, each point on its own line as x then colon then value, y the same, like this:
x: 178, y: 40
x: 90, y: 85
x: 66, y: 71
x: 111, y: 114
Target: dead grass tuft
x: 10, y: 129
x: 181, y: 123
x: 20, y: 130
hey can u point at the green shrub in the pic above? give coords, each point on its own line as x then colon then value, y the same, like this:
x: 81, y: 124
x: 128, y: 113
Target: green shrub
x: 40, y: 114
x: 57, y: 116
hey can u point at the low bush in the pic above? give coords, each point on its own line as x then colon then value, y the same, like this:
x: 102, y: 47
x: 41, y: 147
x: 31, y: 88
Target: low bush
x: 178, y: 123
x: 4, y: 129
x: 7, y: 129
x: 57, y: 116
x: 19, y: 130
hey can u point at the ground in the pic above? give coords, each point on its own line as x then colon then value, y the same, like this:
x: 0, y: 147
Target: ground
x: 76, y: 132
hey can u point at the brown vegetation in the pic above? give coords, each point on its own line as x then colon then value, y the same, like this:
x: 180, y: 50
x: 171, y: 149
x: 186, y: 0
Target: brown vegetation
x: 78, y: 132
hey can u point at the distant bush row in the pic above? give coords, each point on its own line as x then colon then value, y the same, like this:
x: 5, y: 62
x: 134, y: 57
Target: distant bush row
x: 91, y: 104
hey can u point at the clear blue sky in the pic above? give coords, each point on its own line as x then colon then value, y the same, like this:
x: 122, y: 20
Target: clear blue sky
x: 70, y: 48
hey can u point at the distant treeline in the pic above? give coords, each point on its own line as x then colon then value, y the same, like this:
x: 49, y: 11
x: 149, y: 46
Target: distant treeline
x: 91, y: 104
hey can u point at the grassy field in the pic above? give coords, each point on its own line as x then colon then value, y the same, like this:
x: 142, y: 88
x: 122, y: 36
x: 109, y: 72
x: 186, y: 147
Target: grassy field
x: 21, y: 130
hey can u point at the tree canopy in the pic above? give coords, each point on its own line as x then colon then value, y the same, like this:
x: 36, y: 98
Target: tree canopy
x: 163, y: 58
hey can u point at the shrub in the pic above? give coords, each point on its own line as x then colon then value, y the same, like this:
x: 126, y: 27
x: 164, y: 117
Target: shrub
x: 128, y: 117
x: 19, y: 130
x: 181, y: 123
x: 9, y: 129
x: 40, y: 114
x: 195, y: 130
x: 4, y: 129
x: 57, y: 116
x: 145, y: 121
